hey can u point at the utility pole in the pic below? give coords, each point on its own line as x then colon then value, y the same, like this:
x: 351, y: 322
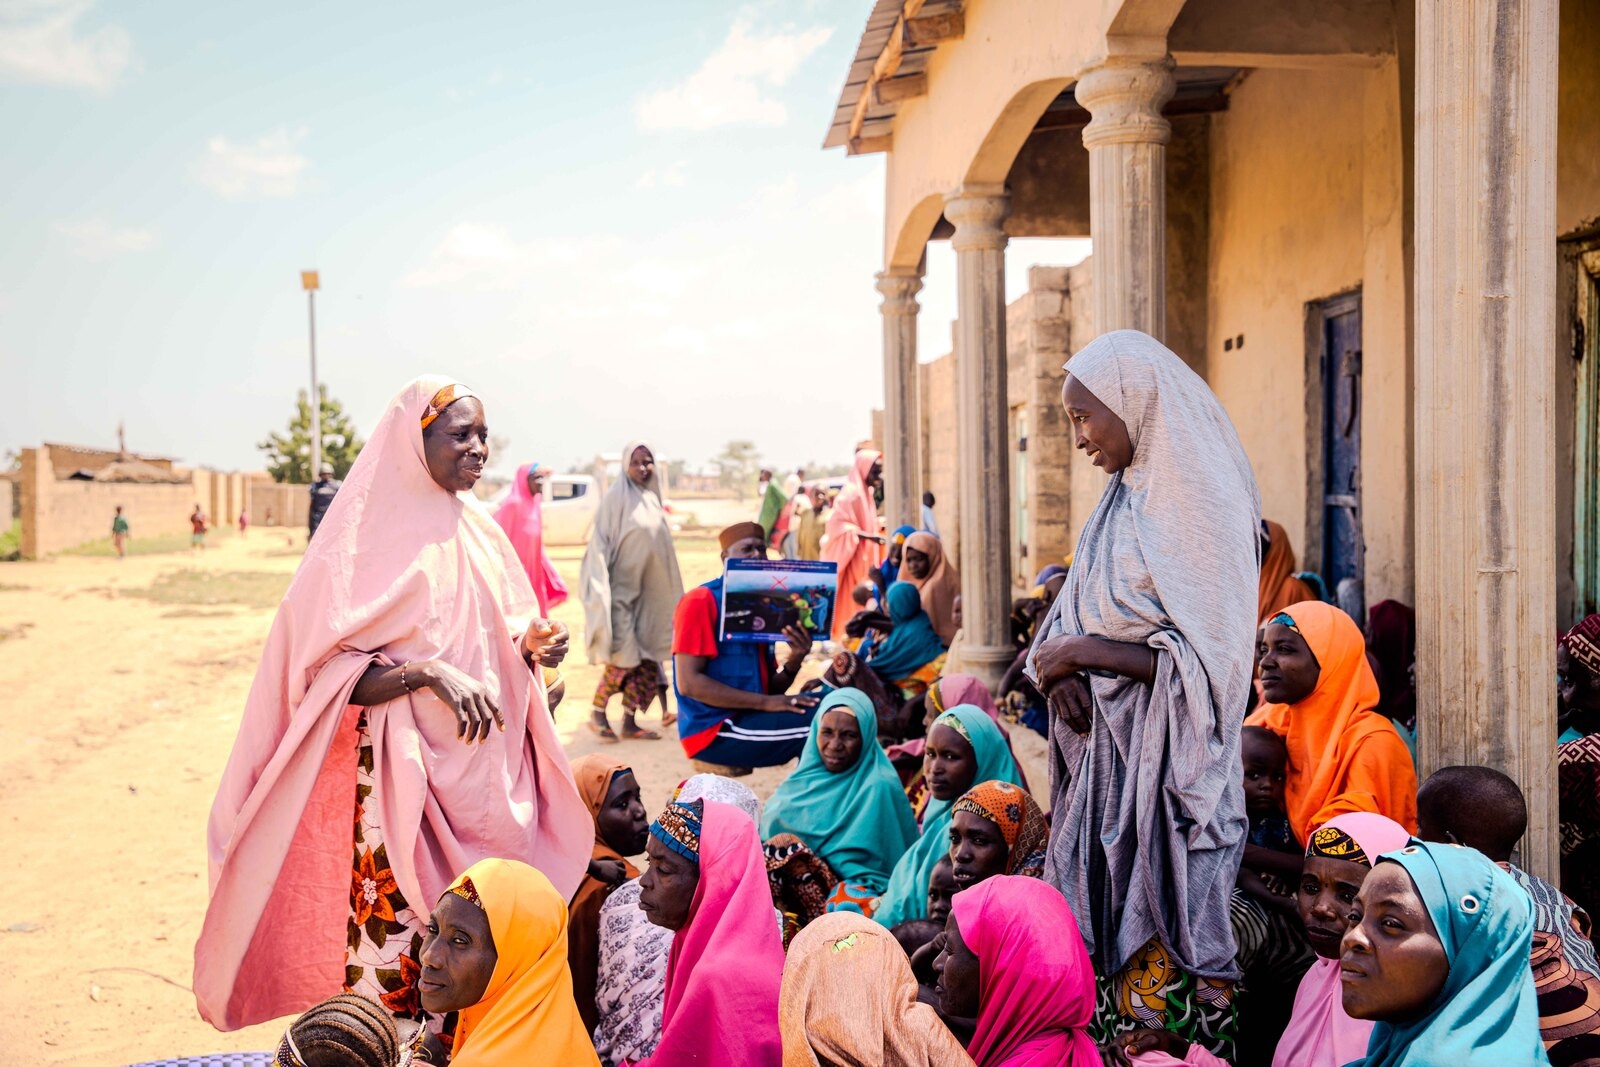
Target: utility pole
x: 310, y: 283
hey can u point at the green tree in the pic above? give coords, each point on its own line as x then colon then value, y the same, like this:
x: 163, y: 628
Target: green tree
x: 289, y: 454
x: 739, y: 463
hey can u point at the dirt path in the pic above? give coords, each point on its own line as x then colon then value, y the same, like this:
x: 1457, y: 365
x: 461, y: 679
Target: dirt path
x: 124, y: 685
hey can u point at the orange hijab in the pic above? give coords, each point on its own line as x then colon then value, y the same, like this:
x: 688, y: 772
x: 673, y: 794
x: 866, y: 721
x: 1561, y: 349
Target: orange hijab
x: 1343, y: 755
x: 1279, y: 586
x: 940, y: 588
x: 526, y: 1014
x: 593, y: 774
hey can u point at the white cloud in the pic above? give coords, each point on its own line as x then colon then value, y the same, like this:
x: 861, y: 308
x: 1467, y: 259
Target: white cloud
x: 269, y: 167
x: 674, y: 177
x: 45, y: 42
x: 731, y: 88
x: 95, y: 239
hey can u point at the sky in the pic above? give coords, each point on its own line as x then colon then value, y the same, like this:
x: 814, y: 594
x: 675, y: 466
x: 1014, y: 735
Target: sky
x: 611, y: 223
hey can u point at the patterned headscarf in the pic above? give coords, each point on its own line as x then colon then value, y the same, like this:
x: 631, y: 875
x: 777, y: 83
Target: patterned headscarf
x: 799, y: 898
x: 1582, y: 643
x: 443, y: 399
x: 679, y: 829
x: 1019, y: 819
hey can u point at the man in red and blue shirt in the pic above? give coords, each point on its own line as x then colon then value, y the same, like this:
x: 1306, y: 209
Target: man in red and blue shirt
x: 733, y: 707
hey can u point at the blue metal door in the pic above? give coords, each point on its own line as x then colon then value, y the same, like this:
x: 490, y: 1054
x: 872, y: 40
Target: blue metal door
x: 1343, y: 549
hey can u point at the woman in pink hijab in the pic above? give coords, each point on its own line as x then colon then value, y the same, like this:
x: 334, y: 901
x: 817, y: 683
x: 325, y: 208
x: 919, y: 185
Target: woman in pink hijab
x: 707, y: 882
x: 521, y: 516
x: 397, y: 732
x: 1013, y: 958
x: 853, y: 539
x: 1320, y: 1034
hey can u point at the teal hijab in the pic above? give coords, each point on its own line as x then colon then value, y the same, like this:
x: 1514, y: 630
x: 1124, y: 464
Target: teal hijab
x: 906, y: 897
x: 858, y: 820
x: 1487, y: 1014
x: 911, y: 644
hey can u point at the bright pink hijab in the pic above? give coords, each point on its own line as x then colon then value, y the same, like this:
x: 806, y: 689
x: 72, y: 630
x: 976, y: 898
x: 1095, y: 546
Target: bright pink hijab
x: 400, y: 570
x: 854, y: 513
x: 726, y: 965
x: 521, y: 516
x: 1035, y: 982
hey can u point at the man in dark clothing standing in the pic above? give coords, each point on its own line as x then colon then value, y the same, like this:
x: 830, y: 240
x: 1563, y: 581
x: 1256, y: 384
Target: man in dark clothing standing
x: 322, y: 493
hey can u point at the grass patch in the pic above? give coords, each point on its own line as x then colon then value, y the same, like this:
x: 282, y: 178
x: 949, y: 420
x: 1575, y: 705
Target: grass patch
x: 162, y: 544
x: 190, y: 588
x: 11, y: 542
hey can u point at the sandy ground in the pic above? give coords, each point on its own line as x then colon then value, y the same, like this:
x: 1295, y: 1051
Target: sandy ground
x: 124, y: 683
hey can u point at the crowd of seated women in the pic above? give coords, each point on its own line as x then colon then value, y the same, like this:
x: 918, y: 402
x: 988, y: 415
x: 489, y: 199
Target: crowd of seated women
x: 862, y: 916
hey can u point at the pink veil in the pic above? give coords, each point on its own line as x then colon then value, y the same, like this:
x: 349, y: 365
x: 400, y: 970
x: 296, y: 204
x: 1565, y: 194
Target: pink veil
x: 521, y: 516
x: 399, y: 570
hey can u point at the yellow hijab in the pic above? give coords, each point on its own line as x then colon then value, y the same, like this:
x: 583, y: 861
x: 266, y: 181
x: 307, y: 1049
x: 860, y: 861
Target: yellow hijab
x: 527, y: 1013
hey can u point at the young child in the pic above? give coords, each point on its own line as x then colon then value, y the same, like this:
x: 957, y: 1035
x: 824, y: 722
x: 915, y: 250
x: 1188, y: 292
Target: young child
x: 1483, y: 809
x: 1272, y: 857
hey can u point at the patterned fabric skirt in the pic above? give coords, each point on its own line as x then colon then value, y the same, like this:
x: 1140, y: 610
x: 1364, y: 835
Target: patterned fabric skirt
x: 638, y: 685
x: 384, y: 933
x: 1151, y: 991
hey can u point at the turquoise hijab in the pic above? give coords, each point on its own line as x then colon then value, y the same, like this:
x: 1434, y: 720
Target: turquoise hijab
x: 1487, y: 1014
x: 911, y: 644
x: 858, y: 820
x: 906, y: 897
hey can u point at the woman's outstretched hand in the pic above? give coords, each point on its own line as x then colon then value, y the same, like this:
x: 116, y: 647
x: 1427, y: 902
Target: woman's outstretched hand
x: 546, y: 642
x: 474, y: 706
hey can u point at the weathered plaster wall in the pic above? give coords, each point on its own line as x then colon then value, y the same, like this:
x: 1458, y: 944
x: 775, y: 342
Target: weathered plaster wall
x: 1286, y: 228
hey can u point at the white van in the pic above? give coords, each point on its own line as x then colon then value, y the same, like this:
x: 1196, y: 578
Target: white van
x: 570, y: 501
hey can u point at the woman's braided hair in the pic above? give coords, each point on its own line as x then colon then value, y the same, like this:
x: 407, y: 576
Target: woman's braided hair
x: 346, y: 1031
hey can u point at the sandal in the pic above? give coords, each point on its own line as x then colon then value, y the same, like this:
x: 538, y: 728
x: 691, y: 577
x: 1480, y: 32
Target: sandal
x: 668, y: 718
x: 639, y: 733
x: 604, y: 732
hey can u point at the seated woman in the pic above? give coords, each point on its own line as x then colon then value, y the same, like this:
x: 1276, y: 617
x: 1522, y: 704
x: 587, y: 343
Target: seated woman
x: 937, y: 581
x: 888, y: 572
x: 996, y: 828
x: 707, y: 883
x: 1436, y: 957
x: 949, y: 691
x: 964, y: 746
x: 620, y: 829
x: 1014, y: 960
x: 1319, y: 1034
x: 632, y: 977
x: 845, y: 802
x: 496, y: 952
x: 1322, y: 699
x: 849, y: 997
x: 909, y: 657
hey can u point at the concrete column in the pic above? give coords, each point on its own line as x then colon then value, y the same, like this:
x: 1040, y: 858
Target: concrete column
x: 902, y: 411
x: 982, y: 428
x: 1485, y: 378
x: 1127, y: 142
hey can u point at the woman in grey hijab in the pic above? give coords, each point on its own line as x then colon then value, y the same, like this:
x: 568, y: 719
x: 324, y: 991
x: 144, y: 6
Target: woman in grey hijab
x: 630, y: 587
x: 1145, y: 659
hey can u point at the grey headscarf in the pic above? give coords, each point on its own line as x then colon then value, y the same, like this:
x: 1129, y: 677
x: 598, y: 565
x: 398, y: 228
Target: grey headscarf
x: 1148, y: 811
x: 630, y: 583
